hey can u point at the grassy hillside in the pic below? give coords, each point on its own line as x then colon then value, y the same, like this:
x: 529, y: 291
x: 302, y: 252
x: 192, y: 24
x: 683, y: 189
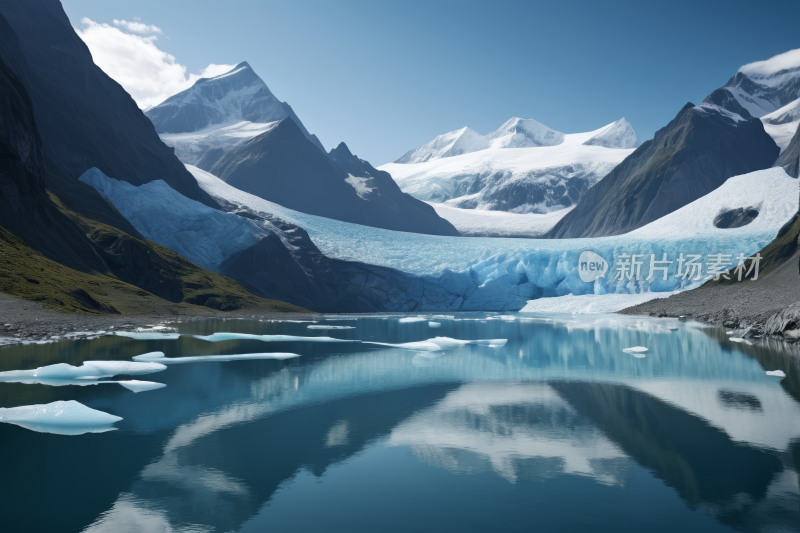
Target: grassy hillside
x: 28, y: 274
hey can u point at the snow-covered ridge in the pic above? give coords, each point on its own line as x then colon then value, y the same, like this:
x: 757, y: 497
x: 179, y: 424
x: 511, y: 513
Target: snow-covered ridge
x: 449, y: 144
x: 782, y: 123
x: 539, y: 179
x: 524, y: 133
x: 775, y: 65
x: 217, y: 113
x: 619, y: 134
x: 231, y: 97
x: 515, y: 133
x: 770, y: 90
x: 191, y: 146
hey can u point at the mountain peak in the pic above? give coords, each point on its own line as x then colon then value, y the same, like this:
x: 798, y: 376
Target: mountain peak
x: 450, y: 144
x: 341, y: 151
x: 523, y: 133
x: 618, y: 134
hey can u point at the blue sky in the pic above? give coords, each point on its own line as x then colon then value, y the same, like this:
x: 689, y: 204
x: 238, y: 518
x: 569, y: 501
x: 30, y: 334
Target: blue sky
x: 386, y: 77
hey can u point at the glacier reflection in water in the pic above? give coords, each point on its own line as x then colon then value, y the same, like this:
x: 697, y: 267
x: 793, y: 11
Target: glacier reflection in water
x: 560, y: 428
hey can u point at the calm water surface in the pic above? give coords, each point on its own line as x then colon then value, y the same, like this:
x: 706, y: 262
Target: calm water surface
x: 557, y: 430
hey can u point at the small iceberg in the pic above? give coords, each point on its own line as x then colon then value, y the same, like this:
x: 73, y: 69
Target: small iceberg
x: 331, y: 327
x: 161, y: 358
x: 776, y: 373
x: 63, y: 418
x: 442, y: 343
x: 434, y: 324
x: 147, y: 335
x: 89, y: 370
x: 739, y: 339
x: 89, y: 373
x: 412, y: 319
x: 217, y: 337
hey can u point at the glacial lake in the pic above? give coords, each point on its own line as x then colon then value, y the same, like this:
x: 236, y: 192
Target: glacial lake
x: 558, y: 429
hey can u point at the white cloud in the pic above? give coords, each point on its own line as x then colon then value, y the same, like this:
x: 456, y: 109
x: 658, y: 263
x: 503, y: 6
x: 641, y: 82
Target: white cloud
x: 149, y: 74
x: 138, y: 27
x: 786, y: 60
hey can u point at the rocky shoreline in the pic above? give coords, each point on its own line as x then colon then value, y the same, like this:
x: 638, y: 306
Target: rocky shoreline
x: 26, y: 322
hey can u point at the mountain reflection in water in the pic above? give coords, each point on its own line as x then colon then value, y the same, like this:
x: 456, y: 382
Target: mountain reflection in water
x: 693, y: 436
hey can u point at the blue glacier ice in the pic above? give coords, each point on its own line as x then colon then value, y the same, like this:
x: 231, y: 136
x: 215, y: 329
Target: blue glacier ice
x: 458, y: 273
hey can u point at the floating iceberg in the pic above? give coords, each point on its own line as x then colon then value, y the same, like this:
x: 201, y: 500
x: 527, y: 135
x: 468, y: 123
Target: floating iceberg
x: 89, y: 370
x: 331, y: 327
x: 65, y: 418
x: 776, y: 373
x: 412, y: 319
x: 160, y: 358
x: 148, y: 335
x: 434, y: 325
x: 441, y: 343
x: 217, y: 337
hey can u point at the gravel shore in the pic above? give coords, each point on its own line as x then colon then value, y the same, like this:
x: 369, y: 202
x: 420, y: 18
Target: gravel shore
x: 24, y: 321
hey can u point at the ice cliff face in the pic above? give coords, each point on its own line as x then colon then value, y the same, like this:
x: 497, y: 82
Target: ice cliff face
x: 620, y: 134
x: 449, y: 144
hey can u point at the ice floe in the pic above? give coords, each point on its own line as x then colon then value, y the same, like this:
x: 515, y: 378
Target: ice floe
x: 220, y: 336
x: 161, y: 358
x: 147, y: 336
x: 331, y: 327
x: 776, y: 373
x: 89, y: 370
x: 441, y: 343
x: 432, y: 324
x: 65, y: 418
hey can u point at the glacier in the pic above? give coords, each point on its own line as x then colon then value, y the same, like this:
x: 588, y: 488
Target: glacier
x: 458, y: 273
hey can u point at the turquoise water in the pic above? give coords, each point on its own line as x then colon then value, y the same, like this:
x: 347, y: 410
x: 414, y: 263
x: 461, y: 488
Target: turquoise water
x: 557, y: 430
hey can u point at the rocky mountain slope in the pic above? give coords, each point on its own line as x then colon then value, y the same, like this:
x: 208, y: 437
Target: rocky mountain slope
x: 73, y: 250
x: 694, y: 154
x: 84, y: 117
x: 283, y: 166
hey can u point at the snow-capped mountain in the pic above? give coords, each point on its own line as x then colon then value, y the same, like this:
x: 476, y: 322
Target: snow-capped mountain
x: 449, y: 144
x: 524, y: 133
x: 692, y: 156
x: 620, y: 134
x: 217, y: 113
x: 768, y: 90
x: 529, y: 179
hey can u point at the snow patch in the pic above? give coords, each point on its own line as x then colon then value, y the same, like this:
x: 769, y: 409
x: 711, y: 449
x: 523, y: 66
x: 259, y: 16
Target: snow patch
x: 360, y: 185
